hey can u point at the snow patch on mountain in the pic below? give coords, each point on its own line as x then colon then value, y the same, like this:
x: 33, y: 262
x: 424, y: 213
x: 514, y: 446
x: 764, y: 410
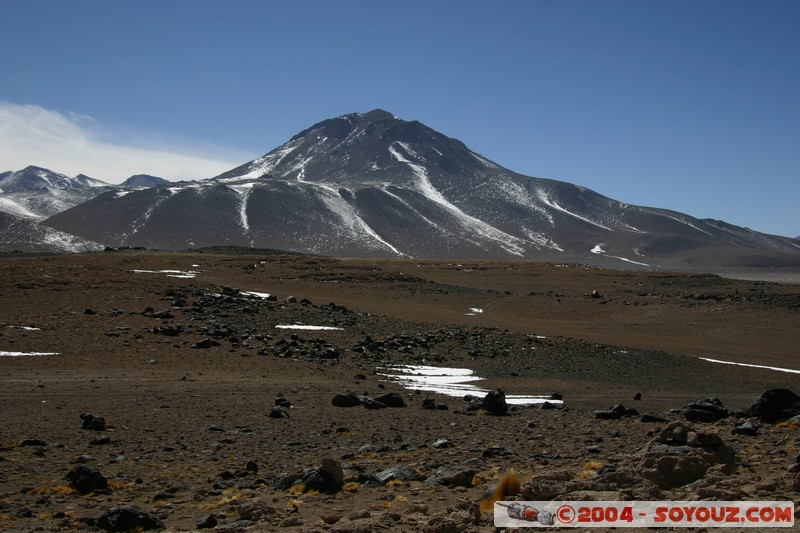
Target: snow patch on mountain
x: 545, y: 198
x: 351, y: 222
x: 426, y: 188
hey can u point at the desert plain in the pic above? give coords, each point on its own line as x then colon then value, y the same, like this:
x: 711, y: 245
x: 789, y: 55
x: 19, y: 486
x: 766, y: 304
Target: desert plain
x: 214, y: 373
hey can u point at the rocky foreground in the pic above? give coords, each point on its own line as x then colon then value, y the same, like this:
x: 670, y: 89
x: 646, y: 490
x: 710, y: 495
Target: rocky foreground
x: 175, y: 403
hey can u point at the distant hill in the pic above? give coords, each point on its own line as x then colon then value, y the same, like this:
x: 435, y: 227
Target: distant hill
x: 144, y: 180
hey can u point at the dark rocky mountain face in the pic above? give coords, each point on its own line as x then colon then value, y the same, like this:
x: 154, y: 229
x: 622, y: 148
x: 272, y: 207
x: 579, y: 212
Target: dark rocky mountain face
x: 374, y: 185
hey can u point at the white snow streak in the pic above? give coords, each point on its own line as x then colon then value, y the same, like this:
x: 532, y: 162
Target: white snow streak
x: 778, y: 369
x: 547, y: 200
x: 426, y: 188
x: 312, y: 328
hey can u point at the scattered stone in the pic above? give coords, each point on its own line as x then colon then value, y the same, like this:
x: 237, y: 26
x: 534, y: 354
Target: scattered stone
x: 277, y: 412
x: 557, y: 396
x: 402, y: 473
x: 443, y: 443
x: 32, y: 442
x: 498, y: 451
x: 452, y: 475
x: 748, y: 428
x: 494, y: 403
x: 280, y: 401
x: 607, y: 415
x: 775, y: 405
x: 85, y: 479
x: 708, y: 410
x: 680, y: 455
x: 94, y: 423
x: 99, y: 440
x: 637, y: 396
x: 431, y: 405
x: 348, y: 399
x: 391, y: 399
x: 204, y: 344
x: 328, y: 477
x: 650, y: 417
x: 207, y: 522
x: 240, y: 526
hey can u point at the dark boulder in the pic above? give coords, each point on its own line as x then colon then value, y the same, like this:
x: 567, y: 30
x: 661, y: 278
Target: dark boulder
x: 95, y: 423
x: 391, y: 399
x: 128, y: 518
x: 775, y: 405
x: 85, y: 479
x: 348, y: 399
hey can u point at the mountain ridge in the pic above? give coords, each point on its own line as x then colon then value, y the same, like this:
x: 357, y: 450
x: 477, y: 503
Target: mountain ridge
x: 373, y: 185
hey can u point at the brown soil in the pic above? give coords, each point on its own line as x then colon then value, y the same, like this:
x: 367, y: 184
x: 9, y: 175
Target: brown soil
x: 182, y: 418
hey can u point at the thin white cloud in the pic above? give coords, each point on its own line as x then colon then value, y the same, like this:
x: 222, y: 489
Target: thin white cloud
x: 69, y: 144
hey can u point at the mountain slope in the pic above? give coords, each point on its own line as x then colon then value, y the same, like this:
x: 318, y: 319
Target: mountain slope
x: 374, y: 185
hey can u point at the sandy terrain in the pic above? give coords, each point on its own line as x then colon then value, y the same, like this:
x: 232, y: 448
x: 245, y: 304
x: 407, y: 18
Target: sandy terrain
x: 186, y: 371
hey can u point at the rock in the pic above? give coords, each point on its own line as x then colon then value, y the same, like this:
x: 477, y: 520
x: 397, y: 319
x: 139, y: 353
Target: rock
x: 391, y: 399
x: 347, y: 399
x: 277, y: 412
x: 94, y: 423
x: 240, y: 526
x: 402, y: 472
x: 775, y: 405
x: 85, y: 479
x: 494, y: 403
x: 98, y: 440
x: 328, y: 477
x: 748, y: 428
x: 637, y: 396
x: 557, y: 396
x: 452, y: 475
x: 607, y: 415
x: 650, y: 417
x: 443, y: 443
x: 203, y: 344
x: 679, y: 456
x: 128, y: 518
x: 498, y: 451
x: 431, y: 405
x: 280, y: 401
x: 713, y: 406
x: 32, y: 442
x: 207, y: 522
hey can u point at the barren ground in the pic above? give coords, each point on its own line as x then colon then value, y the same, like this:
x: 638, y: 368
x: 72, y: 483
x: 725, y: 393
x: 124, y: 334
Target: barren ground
x: 184, y: 422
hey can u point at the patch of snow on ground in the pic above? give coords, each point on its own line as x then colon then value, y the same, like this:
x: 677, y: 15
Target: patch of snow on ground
x: 26, y: 328
x: 778, y: 369
x: 22, y: 354
x: 305, y: 327
x: 598, y: 249
x: 451, y: 382
x: 474, y: 311
x: 257, y: 294
x: 187, y: 274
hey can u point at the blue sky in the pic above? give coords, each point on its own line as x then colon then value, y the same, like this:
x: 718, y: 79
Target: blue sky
x: 688, y: 105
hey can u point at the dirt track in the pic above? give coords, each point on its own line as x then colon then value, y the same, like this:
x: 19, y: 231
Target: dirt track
x: 541, y: 330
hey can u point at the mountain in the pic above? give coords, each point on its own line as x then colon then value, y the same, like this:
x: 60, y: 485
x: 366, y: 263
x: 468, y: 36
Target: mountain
x: 18, y: 233
x: 37, y: 193
x: 371, y: 184
x: 145, y: 181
